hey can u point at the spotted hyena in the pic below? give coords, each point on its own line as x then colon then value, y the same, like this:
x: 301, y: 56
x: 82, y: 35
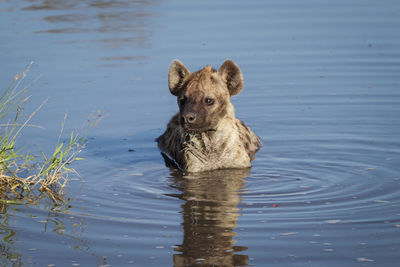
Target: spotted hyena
x: 205, y: 134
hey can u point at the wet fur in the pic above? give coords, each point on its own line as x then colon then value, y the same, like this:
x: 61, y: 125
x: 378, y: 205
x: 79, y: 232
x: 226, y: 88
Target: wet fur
x: 217, y: 140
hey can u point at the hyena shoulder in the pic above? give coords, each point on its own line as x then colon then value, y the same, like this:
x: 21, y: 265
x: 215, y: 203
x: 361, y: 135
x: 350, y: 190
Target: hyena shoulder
x: 248, y: 138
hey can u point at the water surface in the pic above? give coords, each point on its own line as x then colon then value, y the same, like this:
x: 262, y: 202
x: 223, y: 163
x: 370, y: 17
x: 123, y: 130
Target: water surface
x: 321, y: 90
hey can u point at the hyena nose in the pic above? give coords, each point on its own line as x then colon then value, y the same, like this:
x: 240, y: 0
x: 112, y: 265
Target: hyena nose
x: 189, y: 117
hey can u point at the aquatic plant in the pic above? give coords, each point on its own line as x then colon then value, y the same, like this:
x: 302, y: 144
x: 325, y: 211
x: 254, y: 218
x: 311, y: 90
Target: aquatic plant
x: 21, y: 176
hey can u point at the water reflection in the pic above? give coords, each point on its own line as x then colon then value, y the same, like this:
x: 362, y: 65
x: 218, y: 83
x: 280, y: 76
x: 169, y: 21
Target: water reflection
x: 210, y: 215
x: 69, y: 229
x: 10, y: 256
x: 121, y: 23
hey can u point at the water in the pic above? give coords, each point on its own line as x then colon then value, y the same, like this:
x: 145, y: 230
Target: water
x: 321, y: 90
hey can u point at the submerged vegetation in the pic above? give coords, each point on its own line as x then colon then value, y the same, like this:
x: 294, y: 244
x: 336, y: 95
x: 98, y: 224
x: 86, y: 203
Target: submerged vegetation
x: 22, y: 177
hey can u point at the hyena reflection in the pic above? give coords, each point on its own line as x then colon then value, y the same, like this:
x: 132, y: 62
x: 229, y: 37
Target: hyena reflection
x: 210, y: 216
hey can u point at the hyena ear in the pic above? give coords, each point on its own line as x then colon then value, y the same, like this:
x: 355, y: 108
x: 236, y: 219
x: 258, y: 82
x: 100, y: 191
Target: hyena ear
x: 176, y: 76
x: 232, y: 76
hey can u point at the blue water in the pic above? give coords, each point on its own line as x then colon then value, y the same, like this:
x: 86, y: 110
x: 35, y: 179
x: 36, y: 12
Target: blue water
x: 322, y: 90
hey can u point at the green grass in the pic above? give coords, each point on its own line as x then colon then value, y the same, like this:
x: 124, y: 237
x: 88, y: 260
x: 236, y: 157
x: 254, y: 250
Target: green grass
x: 23, y: 176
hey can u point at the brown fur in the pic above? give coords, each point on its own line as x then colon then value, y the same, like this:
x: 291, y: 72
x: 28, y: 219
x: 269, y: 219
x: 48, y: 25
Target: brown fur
x: 205, y: 134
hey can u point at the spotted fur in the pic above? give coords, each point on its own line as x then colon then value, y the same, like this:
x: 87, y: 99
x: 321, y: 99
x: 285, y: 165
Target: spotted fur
x: 205, y: 134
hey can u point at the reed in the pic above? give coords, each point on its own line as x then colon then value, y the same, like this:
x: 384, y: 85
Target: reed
x: 21, y: 174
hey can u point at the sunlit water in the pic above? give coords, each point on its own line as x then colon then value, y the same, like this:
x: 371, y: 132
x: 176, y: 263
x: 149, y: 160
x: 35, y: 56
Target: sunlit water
x: 322, y: 81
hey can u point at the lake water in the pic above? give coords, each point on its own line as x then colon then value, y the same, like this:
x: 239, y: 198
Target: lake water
x: 322, y: 90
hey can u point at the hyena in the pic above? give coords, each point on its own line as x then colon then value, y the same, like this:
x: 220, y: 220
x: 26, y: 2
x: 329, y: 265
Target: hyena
x: 205, y: 134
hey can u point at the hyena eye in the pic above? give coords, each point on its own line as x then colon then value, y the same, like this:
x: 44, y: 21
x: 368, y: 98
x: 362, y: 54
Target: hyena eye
x: 209, y: 101
x: 182, y: 101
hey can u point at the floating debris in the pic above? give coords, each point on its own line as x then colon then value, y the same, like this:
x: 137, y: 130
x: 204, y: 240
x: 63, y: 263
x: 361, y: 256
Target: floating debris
x: 364, y: 260
x: 289, y: 234
x: 136, y: 174
x: 332, y: 221
x: 381, y: 201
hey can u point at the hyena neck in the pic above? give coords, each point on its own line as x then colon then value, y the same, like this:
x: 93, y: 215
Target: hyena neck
x: 217, y: 149
x: 214, y: 140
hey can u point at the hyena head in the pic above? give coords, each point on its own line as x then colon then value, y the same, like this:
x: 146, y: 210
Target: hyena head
x: 204, y: 96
